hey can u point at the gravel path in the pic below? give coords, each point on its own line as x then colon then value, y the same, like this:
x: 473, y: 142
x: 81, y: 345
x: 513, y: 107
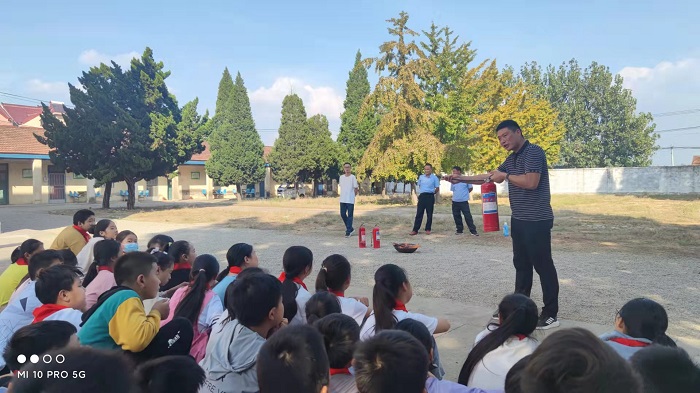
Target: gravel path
x: 593, y: 284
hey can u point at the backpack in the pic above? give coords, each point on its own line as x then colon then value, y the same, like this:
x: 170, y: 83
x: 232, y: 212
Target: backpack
x: 200, y: 339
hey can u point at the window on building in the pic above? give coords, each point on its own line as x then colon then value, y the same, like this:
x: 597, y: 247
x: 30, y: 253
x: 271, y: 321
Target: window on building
x: 27, y: 173
x: 195, y: 175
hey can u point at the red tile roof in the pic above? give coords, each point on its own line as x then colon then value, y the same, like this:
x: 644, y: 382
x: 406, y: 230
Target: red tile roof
x: 21, y: 140
x: 206, y: 154
x: 21, y: 113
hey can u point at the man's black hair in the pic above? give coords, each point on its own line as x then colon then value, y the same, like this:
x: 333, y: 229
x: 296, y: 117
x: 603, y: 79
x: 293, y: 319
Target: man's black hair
x: 55, y: 279
x: 165, y: 375
x: 512, y: 125
x: 392, y: 361
x: 293, y: 360
x: 84, y: 370
x: 37, y: 339
x: 131, y: 265
x: 42, y: 260
x: 81, y: 216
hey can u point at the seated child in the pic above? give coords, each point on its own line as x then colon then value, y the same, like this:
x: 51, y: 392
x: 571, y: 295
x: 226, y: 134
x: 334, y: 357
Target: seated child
x: 239, y: 257
x: 88, y: 370
x: 639, y: 323
x: 18, y: 270
x: 18, y: 312
x: 432, y: 384
x: 576, y: 361
x: 197, y: 303
x: 340, y: 334
x: 334, y: 277
x: 183, y: 254
x: 128, y: 240
x: 321, y: 304
x: 232, y: 352
x: 165, y: 269
x: 297, y: 262
x: 391, y: 362
x: 392, y: 291
x: 118, y: 319
x: 69, y: 259
x: 501, y: 345
x: 104, y: 229
x: 100, y: 275
x: 159, y: 243
x: 37, y: 338
x: 665, y: 369
x: 61, y: 291
x: 165, y: 375
x: 294, y: 360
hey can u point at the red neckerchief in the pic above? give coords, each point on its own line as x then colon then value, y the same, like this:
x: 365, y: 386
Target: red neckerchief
x: 108, y: 268
x: 21, y: 262
x: 182, y: 266
x: 520, y: 337
x: 297, y: 280
x: 338, y: 293
x: 400, y: 306
x: 235, y: 270
x: 44, y: 311
x: 83, y: 232
x: 629, y: 342
x: 336, y: 371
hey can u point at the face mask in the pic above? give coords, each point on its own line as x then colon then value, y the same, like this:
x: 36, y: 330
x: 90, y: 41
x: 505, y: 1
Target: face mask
x: 131, y: 247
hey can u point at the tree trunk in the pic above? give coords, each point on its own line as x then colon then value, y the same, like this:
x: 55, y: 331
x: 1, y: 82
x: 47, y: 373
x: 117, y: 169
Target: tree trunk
x: 383, y: 183
x: 107, y: 195
x: 131, y: 198
x: 414, y: 197
x: 238, y: 190
x: 396, y: 185
x: 314, y: 184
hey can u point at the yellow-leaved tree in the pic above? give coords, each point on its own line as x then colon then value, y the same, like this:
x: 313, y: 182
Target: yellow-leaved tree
x: 497, y: 96
x: 404, y: 140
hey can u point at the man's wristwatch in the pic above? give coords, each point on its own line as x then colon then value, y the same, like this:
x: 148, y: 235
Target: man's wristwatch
x: 507, y: 176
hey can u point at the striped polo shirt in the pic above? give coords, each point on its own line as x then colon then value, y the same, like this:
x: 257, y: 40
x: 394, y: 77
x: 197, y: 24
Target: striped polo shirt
x: 529, y: 205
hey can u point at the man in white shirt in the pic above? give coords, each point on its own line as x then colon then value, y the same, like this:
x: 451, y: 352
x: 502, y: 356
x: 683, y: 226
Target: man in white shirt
x: 348, y: 190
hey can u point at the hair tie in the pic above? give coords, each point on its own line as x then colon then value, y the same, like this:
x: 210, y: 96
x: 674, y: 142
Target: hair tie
x: 201, y: 270
x: 324, y: 268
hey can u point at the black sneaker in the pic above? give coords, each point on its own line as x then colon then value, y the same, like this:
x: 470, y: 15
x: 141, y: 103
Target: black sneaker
x: 459, y: 232
x: 351, y: 232
x: 475, y: 234
x: 546, y: 322
x: 495, y: 315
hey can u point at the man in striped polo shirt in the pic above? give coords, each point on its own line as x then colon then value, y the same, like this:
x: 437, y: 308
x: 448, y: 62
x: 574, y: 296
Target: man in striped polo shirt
x: 532, y: 218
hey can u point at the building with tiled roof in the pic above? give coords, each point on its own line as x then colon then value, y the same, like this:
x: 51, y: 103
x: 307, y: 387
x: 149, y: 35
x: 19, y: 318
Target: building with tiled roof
x: 27, y: 115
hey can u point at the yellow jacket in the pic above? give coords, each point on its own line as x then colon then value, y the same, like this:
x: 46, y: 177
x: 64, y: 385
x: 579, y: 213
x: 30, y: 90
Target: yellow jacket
x: 69, y: 238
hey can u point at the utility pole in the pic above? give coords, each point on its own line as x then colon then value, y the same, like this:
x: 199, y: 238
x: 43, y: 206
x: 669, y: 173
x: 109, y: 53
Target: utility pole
x: 673, y: 162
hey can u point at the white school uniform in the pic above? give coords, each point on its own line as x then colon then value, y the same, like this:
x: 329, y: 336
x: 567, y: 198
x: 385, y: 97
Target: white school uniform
x: 303, y: 296
x: 69, y: 315
x: 490, y: 372
x: 353, y: 308
x: 368, y: 332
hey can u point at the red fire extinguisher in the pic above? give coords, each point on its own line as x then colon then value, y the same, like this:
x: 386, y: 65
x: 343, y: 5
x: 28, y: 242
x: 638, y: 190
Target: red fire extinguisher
x: 362, y: 238
x: 489, y: 203
x: 375, y: 237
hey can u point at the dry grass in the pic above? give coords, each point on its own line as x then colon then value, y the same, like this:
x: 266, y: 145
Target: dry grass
x: 657, y: 225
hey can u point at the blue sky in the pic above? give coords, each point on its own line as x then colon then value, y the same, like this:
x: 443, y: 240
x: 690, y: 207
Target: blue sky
x: 308, y: 47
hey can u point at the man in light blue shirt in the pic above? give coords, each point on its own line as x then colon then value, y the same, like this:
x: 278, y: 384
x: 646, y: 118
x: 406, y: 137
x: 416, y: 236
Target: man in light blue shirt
x: 460, y: 204
x: 428, y: 186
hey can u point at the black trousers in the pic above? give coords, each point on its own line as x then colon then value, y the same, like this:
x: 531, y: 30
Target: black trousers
x: 174, y: 338
x: 459, y: 209
x: 426, y: 203
x: 532, y: 248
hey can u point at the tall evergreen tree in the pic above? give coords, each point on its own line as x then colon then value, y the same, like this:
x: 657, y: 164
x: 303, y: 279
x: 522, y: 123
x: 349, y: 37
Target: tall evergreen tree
x: 404, y: 140
x: 289, y: 158
x: 224, y: 98
x: 603, y: 127
x: 236, y: 147
x: 323, y: 151
x: 134, y: 120
x: 356, y: 132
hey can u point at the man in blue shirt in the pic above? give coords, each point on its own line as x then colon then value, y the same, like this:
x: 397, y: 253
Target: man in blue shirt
x: 460, y: 204
x: 428, y: 186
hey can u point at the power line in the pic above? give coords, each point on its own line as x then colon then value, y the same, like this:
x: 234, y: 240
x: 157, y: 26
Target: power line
x: 677, y: 129
x: 22, y: 97
x: 676, y: 113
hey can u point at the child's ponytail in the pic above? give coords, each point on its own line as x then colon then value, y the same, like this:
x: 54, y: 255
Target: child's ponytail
x: 296, y: 260
x: 388, y: 280
x: 334, y: 273
x: 104, y: 251
x: 235, y: 256
x: 518, y: 315
x: 204, y: 270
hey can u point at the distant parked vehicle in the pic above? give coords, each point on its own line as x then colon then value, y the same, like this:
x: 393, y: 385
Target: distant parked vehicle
x: 287, y: 190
